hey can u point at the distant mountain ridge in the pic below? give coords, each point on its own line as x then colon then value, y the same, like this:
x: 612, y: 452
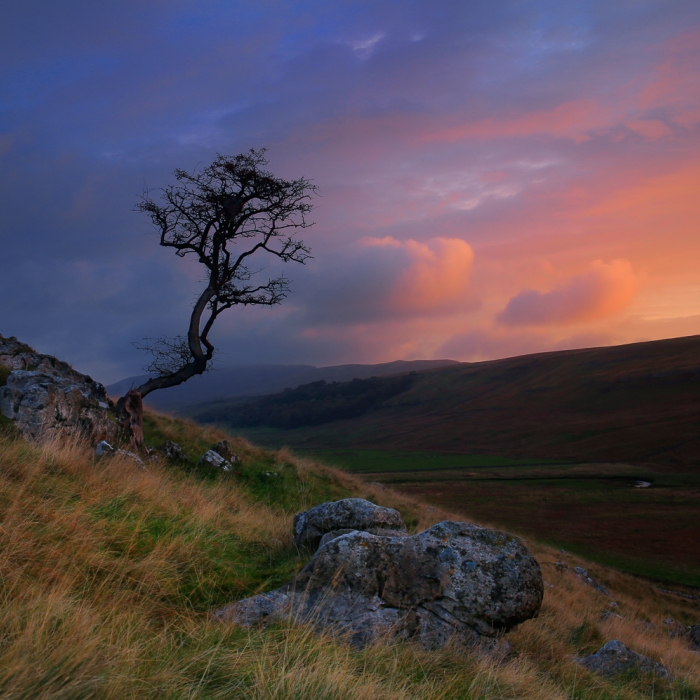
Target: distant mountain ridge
x: 258, y: 380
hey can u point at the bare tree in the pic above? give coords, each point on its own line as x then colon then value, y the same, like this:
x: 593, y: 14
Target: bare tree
x: 223, y: 214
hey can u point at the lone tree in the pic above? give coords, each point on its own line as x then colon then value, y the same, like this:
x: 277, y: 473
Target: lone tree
x: 223, y: 214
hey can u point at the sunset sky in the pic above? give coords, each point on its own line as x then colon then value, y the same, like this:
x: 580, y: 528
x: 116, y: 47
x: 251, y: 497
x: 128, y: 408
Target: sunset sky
x: 495, y: 178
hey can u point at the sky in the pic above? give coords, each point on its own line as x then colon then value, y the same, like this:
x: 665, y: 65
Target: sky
x: 494, y: 178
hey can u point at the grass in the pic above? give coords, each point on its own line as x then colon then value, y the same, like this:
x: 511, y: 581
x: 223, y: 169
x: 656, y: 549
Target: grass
x: 108, y: 575
x: 401, y: 461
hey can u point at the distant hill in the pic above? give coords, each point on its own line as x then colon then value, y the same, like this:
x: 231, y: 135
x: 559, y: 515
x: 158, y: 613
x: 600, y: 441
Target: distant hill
x: 258, y: 380
x: 634, y: 403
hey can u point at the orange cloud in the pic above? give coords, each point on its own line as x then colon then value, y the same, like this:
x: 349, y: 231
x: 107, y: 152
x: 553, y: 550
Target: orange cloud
x: 438, y: 274
x: 604, y: 290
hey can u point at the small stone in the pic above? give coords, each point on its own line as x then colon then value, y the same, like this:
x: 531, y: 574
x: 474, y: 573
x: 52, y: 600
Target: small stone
x: 214, y: 460
x: 133, y: 457
x: 103, y: 449
x: 614, y: 658
x: 609, y: 615
x: 174, y: 452
x: 224, y: 449
x: 584, y: 576
x: 561, y: 566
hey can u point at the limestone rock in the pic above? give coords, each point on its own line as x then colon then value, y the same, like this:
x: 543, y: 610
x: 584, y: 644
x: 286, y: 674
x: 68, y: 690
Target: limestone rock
x: 224, y: 449
x: 103, y: 449
x: 46, y: 397
x: 614, y: 657
x: 214, y: 460
x: 133, y: 457
x: 584, y: 576
x: 347, y: 514
x: 454, y: 580
x: 174, y: 452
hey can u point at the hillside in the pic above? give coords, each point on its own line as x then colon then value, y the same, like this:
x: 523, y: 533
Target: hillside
x: 109, y: 574
x: 256, y: 380
x: 636, y: 403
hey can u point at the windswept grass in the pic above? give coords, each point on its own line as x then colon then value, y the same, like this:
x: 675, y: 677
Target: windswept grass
x: 108, y: 575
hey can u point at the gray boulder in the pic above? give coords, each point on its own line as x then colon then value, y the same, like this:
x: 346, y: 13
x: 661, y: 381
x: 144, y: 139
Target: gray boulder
x: 214, y: 460
x: 455, y: 580
x: 45, y: 397
x: 345, y: 515
x: 614, y: 658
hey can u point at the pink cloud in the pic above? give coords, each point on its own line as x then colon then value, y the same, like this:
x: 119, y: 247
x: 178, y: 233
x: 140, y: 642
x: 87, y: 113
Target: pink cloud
x: 604, y: 290
x: 437, y: 275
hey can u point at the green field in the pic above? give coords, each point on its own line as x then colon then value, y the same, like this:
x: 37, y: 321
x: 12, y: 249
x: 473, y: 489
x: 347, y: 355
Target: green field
x: 364, y: 461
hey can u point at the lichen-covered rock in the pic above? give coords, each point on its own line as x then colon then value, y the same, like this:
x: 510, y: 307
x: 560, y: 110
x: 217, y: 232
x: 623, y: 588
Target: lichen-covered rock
x: 614, y: 658
x: 214, y: 460
x: 455, y: 580
x: 174, y: 452
x: 45, y: 397
x: 224, y: 449
x: 347, y: 514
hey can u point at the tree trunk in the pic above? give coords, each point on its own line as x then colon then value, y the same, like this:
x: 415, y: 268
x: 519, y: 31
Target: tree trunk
x: 129, y: 410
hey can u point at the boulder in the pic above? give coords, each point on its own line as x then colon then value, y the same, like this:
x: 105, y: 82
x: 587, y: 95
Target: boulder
x: 345, y: 515
x: 214, y: 460
x: 614, y: 658
x: 224, y: 449
x: 46, y: 397
x: 455, y: 580
x: 174, y: 452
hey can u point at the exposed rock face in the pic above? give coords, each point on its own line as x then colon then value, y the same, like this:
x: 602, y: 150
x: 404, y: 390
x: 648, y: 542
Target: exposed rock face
x: 614, y: 657
x: 346, y: 515
x: 214, y: 460
x: 46, y: 397
x: 453, y: 580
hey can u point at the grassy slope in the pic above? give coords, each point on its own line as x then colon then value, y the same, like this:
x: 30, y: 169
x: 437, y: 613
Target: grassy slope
x: 108, y: 574
x: 637, y: 403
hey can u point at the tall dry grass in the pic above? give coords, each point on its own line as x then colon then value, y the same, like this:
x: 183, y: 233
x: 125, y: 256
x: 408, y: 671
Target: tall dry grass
x: 108, y: 574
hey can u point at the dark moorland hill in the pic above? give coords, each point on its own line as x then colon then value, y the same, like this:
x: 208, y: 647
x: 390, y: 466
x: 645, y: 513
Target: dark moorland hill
x: 257, y: 380
x: 634, y: 403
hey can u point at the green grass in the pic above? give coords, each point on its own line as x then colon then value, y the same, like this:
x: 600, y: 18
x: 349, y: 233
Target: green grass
x: 367, y: 461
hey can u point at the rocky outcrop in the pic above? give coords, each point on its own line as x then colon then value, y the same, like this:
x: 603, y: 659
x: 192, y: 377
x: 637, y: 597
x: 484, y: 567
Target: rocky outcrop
x: 614, y: 658
x: 45, y: 397
x: 341, y: 517
x: 455, y: 580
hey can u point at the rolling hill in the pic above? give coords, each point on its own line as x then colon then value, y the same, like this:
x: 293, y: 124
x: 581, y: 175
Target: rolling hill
x: 257, y: 380
x: 637, y: 403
